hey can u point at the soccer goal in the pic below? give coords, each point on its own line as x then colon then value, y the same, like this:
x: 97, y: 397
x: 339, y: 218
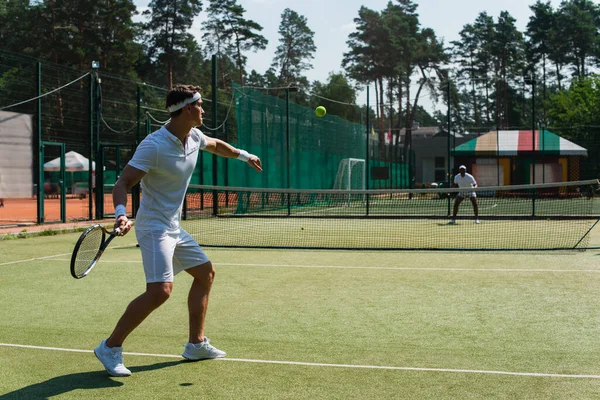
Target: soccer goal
x: 351, y: 174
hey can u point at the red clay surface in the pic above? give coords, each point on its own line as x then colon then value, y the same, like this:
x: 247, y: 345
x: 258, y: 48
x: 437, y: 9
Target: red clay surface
x: 20, y: 214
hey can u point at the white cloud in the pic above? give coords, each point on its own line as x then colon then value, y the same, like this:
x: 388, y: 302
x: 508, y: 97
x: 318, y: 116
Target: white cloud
x: 345, y: 29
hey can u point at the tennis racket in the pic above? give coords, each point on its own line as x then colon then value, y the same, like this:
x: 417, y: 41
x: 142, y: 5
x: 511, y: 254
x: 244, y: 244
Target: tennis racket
x: 89, y: 248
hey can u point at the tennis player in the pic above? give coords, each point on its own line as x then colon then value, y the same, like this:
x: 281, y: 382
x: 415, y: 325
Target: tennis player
x: 164, y: 162
x: 465, y: 180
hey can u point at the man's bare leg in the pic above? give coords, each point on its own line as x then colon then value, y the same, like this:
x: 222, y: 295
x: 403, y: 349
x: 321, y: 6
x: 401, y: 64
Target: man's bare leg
x: 137, y: 311
x: 199, y: 347
x: 457, y: 202
x: 204, y: 276
x: 475, y: 207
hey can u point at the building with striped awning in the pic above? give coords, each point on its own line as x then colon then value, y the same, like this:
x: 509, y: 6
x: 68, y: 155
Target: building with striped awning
x: 520, y: 157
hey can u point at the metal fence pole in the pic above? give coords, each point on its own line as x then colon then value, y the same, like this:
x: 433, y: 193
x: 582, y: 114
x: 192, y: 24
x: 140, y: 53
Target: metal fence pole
x: 40, y: 149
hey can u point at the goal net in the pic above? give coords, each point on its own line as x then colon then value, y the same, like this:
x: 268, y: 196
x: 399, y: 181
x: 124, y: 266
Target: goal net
x: 351, y: 174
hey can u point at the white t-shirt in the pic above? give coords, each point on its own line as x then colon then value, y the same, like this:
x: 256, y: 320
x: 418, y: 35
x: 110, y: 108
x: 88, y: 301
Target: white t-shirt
x: 467, y: 181
x: 169, y: 167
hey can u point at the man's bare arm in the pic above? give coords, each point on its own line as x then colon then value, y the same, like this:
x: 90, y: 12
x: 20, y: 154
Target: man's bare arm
x: 128, y: 179
x: 224, y: 149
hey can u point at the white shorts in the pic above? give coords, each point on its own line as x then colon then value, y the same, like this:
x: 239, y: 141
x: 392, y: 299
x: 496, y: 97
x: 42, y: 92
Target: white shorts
x: 164, y: 254
x: 467, y: 194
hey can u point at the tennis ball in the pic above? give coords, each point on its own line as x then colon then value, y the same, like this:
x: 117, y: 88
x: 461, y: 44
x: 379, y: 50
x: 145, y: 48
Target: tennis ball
x: 320, y: 111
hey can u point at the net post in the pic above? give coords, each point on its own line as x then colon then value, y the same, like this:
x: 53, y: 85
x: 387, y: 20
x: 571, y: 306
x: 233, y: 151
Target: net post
x: 215, y: 203
x: 533, y: 195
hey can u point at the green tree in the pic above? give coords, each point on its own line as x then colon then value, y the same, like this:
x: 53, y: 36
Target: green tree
x: 337, y: 95
x: 390, y: 45
x: 216, y: 42
x: 575, y: 114
x: 401, y: 24
x: 540, y: 31
x: 508, y: 51
x: 256, y: 80
x: 116, y: 44
x: 365, y: 62
x: 296, y: 49
x: 485, y: 30
x: 464, y: 55
x: 74, y: 33
x: 239, y: 34
x: 417, y: 54
x: 167, y: 29
x: 17, y: 18
x: 580, y: 22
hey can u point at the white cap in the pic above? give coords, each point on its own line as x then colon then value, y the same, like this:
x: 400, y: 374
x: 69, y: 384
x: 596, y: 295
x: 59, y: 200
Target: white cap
x: 462, y: 167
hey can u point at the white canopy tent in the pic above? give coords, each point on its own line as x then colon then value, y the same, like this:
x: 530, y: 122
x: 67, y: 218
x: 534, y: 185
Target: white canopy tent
x: 73, y: 162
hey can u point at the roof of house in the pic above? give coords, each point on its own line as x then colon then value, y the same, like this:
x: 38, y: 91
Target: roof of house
x: 422, y: 131
x: 512, y: 143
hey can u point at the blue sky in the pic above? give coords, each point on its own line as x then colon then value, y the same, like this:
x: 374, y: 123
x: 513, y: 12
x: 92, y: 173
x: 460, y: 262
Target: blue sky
x: 332, y: 21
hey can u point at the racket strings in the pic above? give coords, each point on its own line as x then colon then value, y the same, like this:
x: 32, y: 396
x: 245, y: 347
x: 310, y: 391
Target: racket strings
x: 88, y: 249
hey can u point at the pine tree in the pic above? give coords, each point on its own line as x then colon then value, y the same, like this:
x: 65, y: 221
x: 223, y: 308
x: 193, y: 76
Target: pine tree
x: 539, y: 30
x: 296, y: 49
x: 229, y: 25
x: 580, y: 22
x: 168, y: 26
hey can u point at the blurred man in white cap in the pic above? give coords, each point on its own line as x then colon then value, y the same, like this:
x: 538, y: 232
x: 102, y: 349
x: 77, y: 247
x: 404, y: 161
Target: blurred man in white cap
x: 465, y: 180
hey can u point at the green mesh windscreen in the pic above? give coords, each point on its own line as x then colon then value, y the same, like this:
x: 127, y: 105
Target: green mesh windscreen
x: 319, y: 148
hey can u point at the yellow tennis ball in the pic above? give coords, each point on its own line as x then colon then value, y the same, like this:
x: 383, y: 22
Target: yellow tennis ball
x: 320, y: 111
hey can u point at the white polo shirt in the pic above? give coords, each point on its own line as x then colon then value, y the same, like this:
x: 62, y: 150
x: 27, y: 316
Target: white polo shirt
x: 467, y: 181
x: 169, y: 167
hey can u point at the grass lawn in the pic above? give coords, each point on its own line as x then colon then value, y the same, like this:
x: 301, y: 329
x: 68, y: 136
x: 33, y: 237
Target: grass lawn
x: 309, y: 324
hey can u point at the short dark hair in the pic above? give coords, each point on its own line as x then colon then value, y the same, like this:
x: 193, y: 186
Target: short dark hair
x: 179, y: 93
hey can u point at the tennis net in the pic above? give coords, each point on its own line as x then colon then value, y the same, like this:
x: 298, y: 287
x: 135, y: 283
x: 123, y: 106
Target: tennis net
x: 553, y: 216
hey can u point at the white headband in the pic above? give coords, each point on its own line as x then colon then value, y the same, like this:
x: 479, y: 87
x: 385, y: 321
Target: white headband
x: 182, y: 104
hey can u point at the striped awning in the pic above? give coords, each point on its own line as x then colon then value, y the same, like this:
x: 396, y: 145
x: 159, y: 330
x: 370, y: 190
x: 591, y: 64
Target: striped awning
x: 513, y: 143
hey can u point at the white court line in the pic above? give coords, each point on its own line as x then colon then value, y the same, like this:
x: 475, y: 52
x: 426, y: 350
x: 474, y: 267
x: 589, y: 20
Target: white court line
x: 56, y: 255
x: 365, y: 267
x: 309, y: 364
x: 406, y: 268
x: 34, y: 259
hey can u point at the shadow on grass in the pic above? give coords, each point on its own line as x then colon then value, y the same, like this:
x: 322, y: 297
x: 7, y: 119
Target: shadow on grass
x: 84, y: 380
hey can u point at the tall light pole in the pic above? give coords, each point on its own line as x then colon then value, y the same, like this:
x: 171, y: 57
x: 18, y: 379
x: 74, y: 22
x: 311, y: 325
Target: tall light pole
x: 448, y: 117
x: 448, y: 174
x: 288, y: 90
x: 530, y: 80
x: 287, y: 143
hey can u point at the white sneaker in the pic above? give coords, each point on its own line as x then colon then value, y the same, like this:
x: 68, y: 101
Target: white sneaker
x: 477, y: 221
x: 201, y: 351
x: 453, y: 222
x: 112, y: 359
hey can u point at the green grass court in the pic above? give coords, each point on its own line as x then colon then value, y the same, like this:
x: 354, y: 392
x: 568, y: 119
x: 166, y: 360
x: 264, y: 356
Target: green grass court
x: 310, y: 325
